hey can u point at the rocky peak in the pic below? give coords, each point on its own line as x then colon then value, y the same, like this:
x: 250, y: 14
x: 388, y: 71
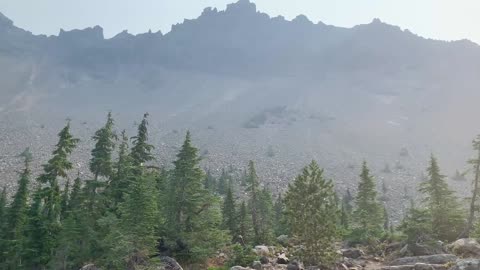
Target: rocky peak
x: 5, y: 22
x: 87, y: 35
x: 242, y: 7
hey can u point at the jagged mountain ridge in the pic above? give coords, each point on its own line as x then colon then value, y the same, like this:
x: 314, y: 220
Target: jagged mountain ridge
x: 242, y: 82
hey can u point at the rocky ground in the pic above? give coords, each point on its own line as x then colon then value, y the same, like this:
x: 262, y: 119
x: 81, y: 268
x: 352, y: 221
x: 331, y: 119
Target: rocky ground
x: 278, y: 152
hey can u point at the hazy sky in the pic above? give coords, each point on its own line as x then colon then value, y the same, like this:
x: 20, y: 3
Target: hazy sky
x: 439, y: 19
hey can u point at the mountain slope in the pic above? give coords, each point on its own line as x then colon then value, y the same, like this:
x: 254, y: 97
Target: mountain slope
x: 244, y: 83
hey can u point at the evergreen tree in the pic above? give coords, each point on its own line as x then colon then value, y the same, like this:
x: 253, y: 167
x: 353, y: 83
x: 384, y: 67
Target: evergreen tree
x: 309, y: 200
x: 3, y: 207
x: 223, y: 183
x: 37, y: 252
x: 57, y: 166
x: 265, y: 215
x: 210, y: 182
x: 252, y: 189
x: 445, y: 211
x: 368, y: 212
x: 344, y: 216
x: 193, y: 214
x: 133, y: 238
x: 416, y: 226
x: 347, y: 201
x: 243, y: 233
x: 65, y: 199
x: 141, y: 150
x: 280, y: 226
x: 75, y: 240
x: 473, y: 201
x: 13, y: 237
x: 101, y: 161
x: 119, y: 184
x: 386, y: 220
x: 229, y: 213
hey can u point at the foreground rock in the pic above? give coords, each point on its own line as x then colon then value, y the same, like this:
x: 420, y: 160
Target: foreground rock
x: 431, y: 259
x: 467, y: 247
x: 261, y: 251
x: 417, y: 266
x: 352, y: 253
x: 169, y: 263
x: 467, y: 264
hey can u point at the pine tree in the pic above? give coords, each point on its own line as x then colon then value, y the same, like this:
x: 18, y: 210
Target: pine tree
x: 473, y: 201
x: 16, y: 218
x: 280, y: 227
x: 243, y: 230
x: 252, y: 189
x: 101, y: 161
x: 65, y: 199
x: 134, y: 237
x: 141, y: 150
x: 344, y: 216
x: 416, y: 226
x: 37, y: 252
x: 446, y: 213
x: 265, y: 214
x: 57, y: 166
x: 75, y: 239
x: 222, y: 184
x: 347, y: 201
x: 309, y: 200
x: 193, y: 214
x: 119, y: 184
x: 368, y: 212
x: 229, y: 213
x: 210, y: 181
x: 3, y: 207
x: 386, y: 220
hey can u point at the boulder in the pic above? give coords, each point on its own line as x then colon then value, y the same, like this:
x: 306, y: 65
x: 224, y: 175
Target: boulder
x: 294, y: 266
x: 169, y: 263
x: 257, y: 265
x: 418, y: 266
x: 424, y: 266
x: 353, y: 253
x: 264, y: 260
x: 282, y: 259
x: 467, y: 247
x: 261, y: 250
x: 467, y: 264
x: 430, y: 259
x: 239, y: 268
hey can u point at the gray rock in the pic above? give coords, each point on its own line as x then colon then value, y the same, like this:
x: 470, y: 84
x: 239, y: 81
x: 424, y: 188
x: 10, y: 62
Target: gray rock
x: 353, y: 253
x: 257, y: 265
x: 467, y: 247
x: 294, y: 266
x: 170, y: 263
x: 261, y: 250
x: 282, y: 259
x: 418, y: 266
x: 468, y: 264
x: 431, y: 259
x: 239, y: 268
x: 264, y: 260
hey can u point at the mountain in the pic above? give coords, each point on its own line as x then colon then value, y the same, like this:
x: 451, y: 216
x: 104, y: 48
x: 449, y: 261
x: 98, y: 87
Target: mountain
x: 250, y: 86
